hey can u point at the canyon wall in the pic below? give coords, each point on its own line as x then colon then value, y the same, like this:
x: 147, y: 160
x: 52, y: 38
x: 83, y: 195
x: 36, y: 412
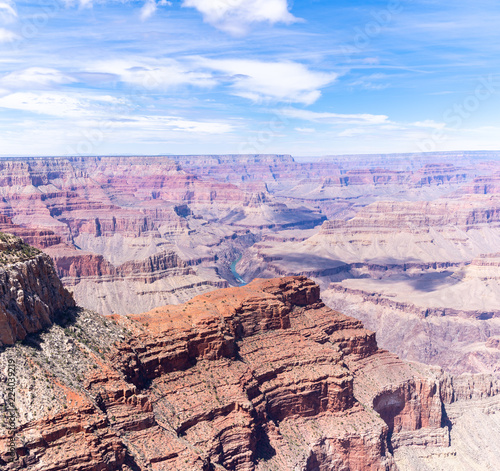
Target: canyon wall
x: 262, y: 377
x: 31, y: 294
x: 110, y: 224
x: 398, y: 239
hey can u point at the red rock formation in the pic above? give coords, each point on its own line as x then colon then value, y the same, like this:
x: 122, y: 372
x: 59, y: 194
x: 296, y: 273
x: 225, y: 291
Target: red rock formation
x: 79, y: 439
x: 73, y: 265
x: 254, y: 378
x: 38, y: 238
x: 438, y: 174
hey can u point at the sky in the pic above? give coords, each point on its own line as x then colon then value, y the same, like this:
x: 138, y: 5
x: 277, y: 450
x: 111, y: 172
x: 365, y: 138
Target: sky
x: 307, y: 78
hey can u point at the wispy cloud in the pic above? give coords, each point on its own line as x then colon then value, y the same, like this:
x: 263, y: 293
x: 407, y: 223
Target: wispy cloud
x: 151, y: 6
x: 272, y: 81
x: 7, y: 36
x: 255, y: 80
x: 148, y: 9
x: 306, y: 130
x: 63, y: 105
x: 235, y: 16
x: 8, y: 15
x: 121, y: 134
x: 7, y: 11
x: 153, y: 74
x: 82, y: 3
x: 372, y: 82
x: 349, y: 127
x: 162, y: 123
x: 335, y: 118
x: 34, y: 78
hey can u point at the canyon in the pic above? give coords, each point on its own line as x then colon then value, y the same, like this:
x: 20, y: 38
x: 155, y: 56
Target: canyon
x: 260, y: 377
x: 393, y: 240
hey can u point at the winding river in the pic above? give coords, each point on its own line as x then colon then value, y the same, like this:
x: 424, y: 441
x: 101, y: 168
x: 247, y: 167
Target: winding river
x: 239, y: 279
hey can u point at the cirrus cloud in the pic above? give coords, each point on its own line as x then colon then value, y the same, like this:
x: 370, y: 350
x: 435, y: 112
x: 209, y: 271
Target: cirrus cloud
x: 60, y: 104
x: 34, y: 78
x: 8, y: 14
x: 336, y: 118
x: 7, y: 10
x: 7, y: 36
x: 152, y: 74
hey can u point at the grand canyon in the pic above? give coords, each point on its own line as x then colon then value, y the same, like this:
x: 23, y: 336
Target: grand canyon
x: 249, y: 235
x: 251, y: 312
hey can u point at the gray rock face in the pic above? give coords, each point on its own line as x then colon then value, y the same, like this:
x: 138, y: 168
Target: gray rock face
x: 30, y: 291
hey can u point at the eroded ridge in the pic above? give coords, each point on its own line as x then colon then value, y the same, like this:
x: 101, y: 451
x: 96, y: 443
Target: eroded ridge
x: 262, y: 377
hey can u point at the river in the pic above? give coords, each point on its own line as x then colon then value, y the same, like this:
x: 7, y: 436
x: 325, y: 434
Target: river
x: 239, y: 279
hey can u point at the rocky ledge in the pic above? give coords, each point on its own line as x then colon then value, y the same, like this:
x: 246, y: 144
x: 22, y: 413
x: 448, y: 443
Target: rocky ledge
x: 31, y: 294
x: 262, y: 377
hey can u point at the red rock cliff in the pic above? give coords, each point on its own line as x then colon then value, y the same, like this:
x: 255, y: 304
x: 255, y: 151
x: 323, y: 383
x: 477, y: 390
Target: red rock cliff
x: 255, y: 378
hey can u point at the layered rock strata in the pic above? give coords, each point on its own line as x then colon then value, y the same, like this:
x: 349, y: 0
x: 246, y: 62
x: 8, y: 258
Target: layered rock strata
x: 109, y: 223
x: 31, y: 294
x: 263, y: 377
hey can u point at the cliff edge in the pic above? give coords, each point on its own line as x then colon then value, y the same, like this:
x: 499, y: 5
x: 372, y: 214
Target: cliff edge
x: 30, y: 292
x: 258, y: 378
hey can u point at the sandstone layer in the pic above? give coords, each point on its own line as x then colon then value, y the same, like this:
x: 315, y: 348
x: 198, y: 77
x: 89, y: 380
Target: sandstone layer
x: 263, y: 377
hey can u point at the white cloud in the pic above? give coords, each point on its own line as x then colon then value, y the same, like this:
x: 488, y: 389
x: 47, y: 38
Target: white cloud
x: 305, y: 130
x: 150, y: 6
x: 335, y: 118
x: 152, y: 74
x: 7, y: 11
x: 81, y: 3
x: 7, y: 36
x: 34, y: 78
x: 121, y: 134
x: 429, y: 123
x: 255, y: 80
x: 372, y: 127
x: 351, y: 132
x: 8, y: 14
x: 158, y: 124
x: 234, y: 16
x: 276, y: 81
x: 148, y: 10
x: 372, y: 82
x: 60, y: 104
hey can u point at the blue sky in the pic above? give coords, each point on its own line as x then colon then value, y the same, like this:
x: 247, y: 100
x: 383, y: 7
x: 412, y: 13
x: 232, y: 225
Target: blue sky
x: 248, y: 76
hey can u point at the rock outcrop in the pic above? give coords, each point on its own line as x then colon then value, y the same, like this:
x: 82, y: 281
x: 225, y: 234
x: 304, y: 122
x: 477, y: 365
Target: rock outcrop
x: 38, y: 238
x: 263, y: 377
x: 31, y: 294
